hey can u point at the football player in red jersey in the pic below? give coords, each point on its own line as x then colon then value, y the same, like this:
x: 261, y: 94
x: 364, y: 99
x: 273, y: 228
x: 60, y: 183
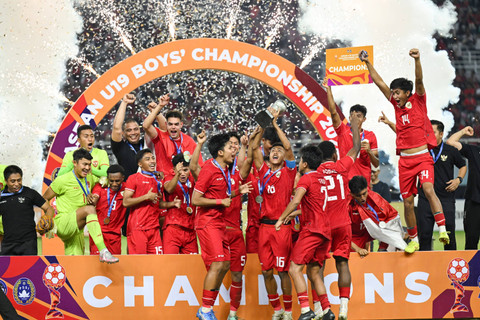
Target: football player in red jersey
x: 415, y: 137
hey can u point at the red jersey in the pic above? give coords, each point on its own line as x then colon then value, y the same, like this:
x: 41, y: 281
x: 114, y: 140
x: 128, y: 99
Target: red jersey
x: 359, y: 231
x: 362, y: 165
x: 180, y: 216
x: 335, y: 176
x: 118, y: 211
x: 413, y: 125
x: 313, y: 204
x: 253, y: 208
x: 213, y: 185
x: 145, y: 215
x: 166, y: 148
x: 277, y: 190
x: 232, y: 214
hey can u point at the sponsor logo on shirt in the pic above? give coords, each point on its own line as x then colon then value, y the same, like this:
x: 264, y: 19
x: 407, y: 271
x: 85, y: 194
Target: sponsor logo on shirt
x: 218, y: 179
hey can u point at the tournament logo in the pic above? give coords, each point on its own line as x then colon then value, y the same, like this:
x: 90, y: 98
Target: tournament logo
x: 54, y: 278
x: 3, y: 286
x: 458, y: 272
x: 24, y: 291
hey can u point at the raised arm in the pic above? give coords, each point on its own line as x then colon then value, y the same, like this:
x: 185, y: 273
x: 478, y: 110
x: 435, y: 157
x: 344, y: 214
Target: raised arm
x: 454, y: 140
x: 419, y: 88
x: 170, y: 186
x: 117, y: 130
x: 332, y: 107
x: 194, y: 166
x: 255, y: 138
x: 243, y: 150
x: 356, y: 138
x: 155, y: 114
x: 375, y: 76
x: 383, y: 118
x: 283, y: 137
x: 257, y: 153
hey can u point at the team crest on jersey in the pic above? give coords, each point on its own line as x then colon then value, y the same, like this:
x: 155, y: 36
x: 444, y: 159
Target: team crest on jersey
x: 408, y: 105
x: 21, y: 199
x: 24, y: 291
x: 233, y: 181
x: 278, y: 174
x: 3, y: 286
x: 121, y: 193
x: 443, y: 157
x: 95, y: 163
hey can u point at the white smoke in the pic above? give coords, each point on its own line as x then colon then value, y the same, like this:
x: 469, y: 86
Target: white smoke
x: 37, y: 38
x: 393, y: 27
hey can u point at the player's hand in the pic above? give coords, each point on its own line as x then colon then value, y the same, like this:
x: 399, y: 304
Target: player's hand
x: 468, y: 131
x: 275, y: 113
x: 383, y: 118
x: 246, y: 188
x: 164, y: 100
x: 363, y: 56
x: 254, y: 133
x: 201, y: 137
x: 244, y: 140
x: 226, y: 202
x: 325, y: 83
x: 355, y: 123
x: 129, y: 98
x: 152, y: 106
x: 365, y: 145
x: 177, y: 202
x: 92, y: 198
x: 278, y: 225
x: 452, y: 185
x: 414, y: 53
x: 178, y: 168
x: 363, y: 253
x: 152, y: 196
x: 44, y: 225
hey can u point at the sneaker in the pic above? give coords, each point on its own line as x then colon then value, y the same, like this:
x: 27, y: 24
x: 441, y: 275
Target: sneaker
x: 278, y: 315
x: 287, y: 315
x: 444, y: 238
x: 342, y: 314
x: 329, y: 315
x: 307, y: 316
x: 207, y: 315
x: 106, y: 256
x: 412, y: 247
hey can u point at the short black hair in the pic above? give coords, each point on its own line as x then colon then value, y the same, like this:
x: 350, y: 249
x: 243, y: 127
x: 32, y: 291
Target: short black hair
x: 180, y: 157
x: 439, y: 124
x: 312, y: 155
x: 217, y: 142
x: 327, y: 148
x: 12, y: 169
x: 359, y: 108
x: 129, y: 120
x: 81, y: 154
x: 402, y: 84
x: 141, y: 153
x: 83, y: 127
x: 277, y: 144
x: 271, y: 134
x: 116, y: 168
x: 234, y: 134
x: 174, y: 114
x: 357, y: 184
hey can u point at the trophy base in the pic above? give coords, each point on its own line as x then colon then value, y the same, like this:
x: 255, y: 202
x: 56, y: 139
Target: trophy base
x: 264, y: 118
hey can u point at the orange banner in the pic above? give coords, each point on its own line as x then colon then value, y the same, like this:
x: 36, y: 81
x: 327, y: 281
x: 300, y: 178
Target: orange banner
x: 344, y: 67
x: 424, y: 285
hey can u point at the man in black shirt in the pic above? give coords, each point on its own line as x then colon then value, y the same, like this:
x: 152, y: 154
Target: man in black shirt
x: 471, y: 217
x: 16, y: 208
x: 445, y: 158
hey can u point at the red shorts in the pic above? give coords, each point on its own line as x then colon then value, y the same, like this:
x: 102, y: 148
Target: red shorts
x: 238, y: 251
x: 274, y: 247
x: 179, y: 240
x: 251, y: 238
x: 411, y: 167
x: 361, y: 241
x: 145, y: 242
x: 310, y: 247
x: 341, y: 241
x: 213, y: 244
x: 113, y: 242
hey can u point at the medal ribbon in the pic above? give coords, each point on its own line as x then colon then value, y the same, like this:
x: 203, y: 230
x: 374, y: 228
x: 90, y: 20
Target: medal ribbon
x: 110, y: 204
x: 185, y: 193
x: 234, y: 165
x: 133, y: 149
x: 261, y: 188
x: 435, y: 158
x: 6, y: 194
x: 159, y: 184
x: 371, y: 209
x: 178, y: 148
x: 85, y: 192
x: 229, y: 181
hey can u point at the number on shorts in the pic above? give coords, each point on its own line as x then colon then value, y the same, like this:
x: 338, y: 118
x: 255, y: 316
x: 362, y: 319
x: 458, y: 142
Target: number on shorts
x: 243, y: 260
x: 280, y: 262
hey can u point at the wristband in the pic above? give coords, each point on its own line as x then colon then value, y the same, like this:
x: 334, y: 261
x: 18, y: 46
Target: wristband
x: 218, y: 202
x: 460, y: 178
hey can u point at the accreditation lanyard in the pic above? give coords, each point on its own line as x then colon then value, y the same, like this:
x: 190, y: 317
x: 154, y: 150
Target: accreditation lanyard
x: 435, y: 158
x: 159, y: 184
x: 133, y: 149
x: 363, y: 133
x: 227, y: 179
x: 261, y: 187
x: 110, y: 204
x: 186, y: 194
x: 177, y: 147
x: 371, y: 209
x: 6, y: 194
x: 86, y: 192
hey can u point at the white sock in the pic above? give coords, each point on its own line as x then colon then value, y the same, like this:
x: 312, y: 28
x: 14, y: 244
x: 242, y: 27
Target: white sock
x: 442, y: 229
x: 343, y: 301
x: 318, y: 307
x: 414, y: 239
x: 305, y: 310
x: 205, y: 310
x: 278, y: 311
x: 232, y: 313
